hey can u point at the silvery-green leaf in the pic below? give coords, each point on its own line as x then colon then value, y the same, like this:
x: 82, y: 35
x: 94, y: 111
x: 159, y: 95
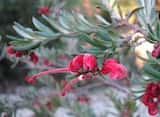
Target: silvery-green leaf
x: 40, y: 26
x: 27, y: 32
x: 101, y: 19
x: 54, y: 24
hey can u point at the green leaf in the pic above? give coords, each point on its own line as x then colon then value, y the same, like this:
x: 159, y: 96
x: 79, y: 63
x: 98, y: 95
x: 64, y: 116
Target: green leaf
x: 22, y: 46
x: 0, y: 37
x: 104, y: 35
x: 105, y: 13
x: 149, y: 70
x: 84, y: 20
x: 102, y: 20
x: 94, y: 42
x: 147, y: 15
x: 66, y: 19
x: 48, y: 36
x: 152, y: 37
x: 158, y: 29
x: 133, y: 12
x: 153, y: 60
x: 54, y: 24
x: 80, y: 25
x: 13, y: 38
x: 21, y: 31
x: 93, y: 50
x: 41, y: 26
x: 27, y: 32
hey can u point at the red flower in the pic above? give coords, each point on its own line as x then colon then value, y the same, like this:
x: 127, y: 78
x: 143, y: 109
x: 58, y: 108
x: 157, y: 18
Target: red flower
x: 34, y: 58
x: 151, y: 97
x: 19, y: 53
x: 36, y: 104
x: 156, y: 51
x: 10, y: 50
x: 105, y: 69
x: 83, y: 99
x: 49, y: 105
x: 147, y: 99
x: 89, y: 62
x: 44, y: 10
x: 76, y: 63
x: 62, y: 56
x: 83, y: 62
x: 153, y: 109
x: 47, y: 62
x: 114, y: 69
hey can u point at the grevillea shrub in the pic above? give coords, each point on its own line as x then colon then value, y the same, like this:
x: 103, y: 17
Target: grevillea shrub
x: 90, y: 49
x: 85, y: 67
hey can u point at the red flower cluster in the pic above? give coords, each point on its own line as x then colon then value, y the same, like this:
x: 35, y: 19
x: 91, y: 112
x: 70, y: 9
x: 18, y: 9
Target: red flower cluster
x: 44, y: 10
x: 33, y: 56
x: 82, y: 63
x: 114, y: 69
x: 11, y: 51
x: 85, y: 66
x: 151, y: 97
x: 156, y: 51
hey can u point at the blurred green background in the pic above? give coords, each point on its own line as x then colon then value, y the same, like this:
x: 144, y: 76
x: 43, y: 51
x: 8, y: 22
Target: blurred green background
x: 16, y: 10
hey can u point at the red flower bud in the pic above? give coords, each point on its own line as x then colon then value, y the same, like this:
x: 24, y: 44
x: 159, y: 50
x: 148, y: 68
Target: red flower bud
x: 147, y: 99
x: 76, y: 64
x: 36, y: 104
x: 83, y: 99
x: 89, y: 62
x: 151, y: 97
x: 153, y: 109
x: 10, y: 50
x: 156, y: 51
x: 44, y: 10
x: 114, y: 69
x: 47, y: 62
x: 19, y: 53
x: 34, y: 58
x: 49, y: 105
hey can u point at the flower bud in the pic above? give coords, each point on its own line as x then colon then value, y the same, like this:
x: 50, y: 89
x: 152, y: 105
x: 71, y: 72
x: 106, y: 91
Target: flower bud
x: 114, y: 69
x: 19, y: 53
x: 83, y: 99
x: 10, y: 50
x: 44, y: 10
x: 46, y: 62
x: 153, y: 109
x: 34, y: 58
x: 156, y: 51
x: 76, y: 64
x: 89, y: 62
